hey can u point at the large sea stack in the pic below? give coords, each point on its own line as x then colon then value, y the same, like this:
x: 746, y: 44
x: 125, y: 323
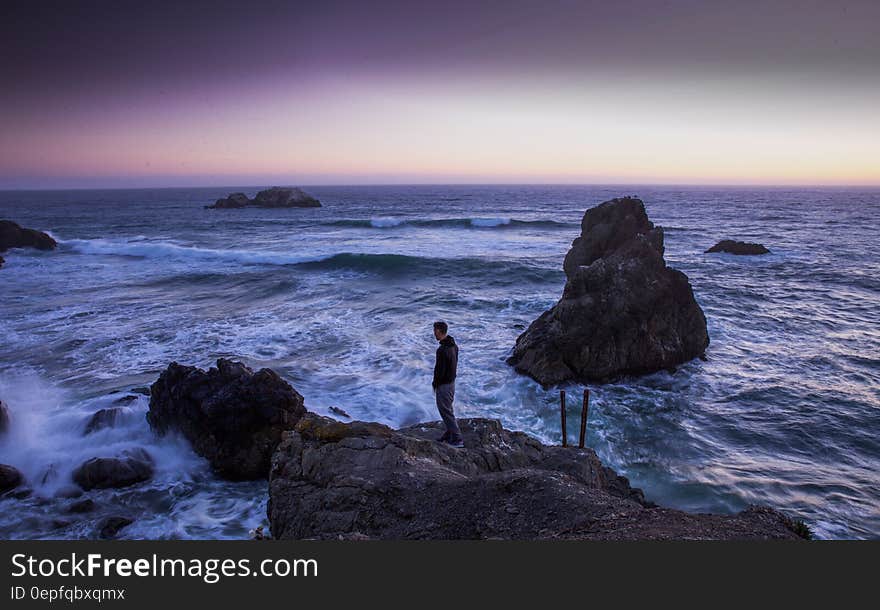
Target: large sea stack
x: 275, y: 197
x: 231, y: 415
x: 623, y: 311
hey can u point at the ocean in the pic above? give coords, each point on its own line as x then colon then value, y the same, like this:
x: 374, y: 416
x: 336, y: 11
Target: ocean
x: 340, y: 299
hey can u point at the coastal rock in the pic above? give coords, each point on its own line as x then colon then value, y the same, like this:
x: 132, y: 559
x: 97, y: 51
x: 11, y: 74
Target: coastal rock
x: 738, y: 247
x: 10, y: 478
x: 5, y: 420
x: 275, y: 197
x: 133, y: 466
x: 2, y: 260
x: 231, y: 415
x: 81, y: 506
x: 109, y: 527
x: 14, y: 236
x: 104, y: 418
x: 360, y: 480
x: 623, y: 311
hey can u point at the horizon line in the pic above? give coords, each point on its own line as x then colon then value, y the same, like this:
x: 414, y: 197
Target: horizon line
x: 456, y: 184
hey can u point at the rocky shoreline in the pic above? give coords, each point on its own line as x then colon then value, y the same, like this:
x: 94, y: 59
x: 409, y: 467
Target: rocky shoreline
x: 329, y: 479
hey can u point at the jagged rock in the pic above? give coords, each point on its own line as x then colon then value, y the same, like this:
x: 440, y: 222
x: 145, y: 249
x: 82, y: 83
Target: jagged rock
x: 275, y: 197
x: 231, y: 415
x: 2, y: 260
x: 81, y: 506
x: 109, y: 527
x: 14, y: 236
x: 104, y: 418
x: 5, y: 420
x: 738, y: 247
x: 141, y: 390
x: 124, y: 400
x: 339, y: 412
x: 133, y: 466
x: 623, y: 311
x: 364, y: 480
x: 10, y: 478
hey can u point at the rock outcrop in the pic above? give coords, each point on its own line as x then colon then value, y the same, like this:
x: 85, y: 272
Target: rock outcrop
x: 14, y: 236
x: 231, y: 415
x: 366, y: 481
x: 103, y: 418
x: 10, y: 478
x: 623, y: 311
x: 5, y: 420
x: 275, y: 197
x: 109, y: 527
x: 133, y: 466
x: 738, y: 247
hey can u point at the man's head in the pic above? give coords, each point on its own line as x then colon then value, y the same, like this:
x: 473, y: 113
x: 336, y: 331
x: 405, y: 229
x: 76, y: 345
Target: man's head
x: 440, y: 330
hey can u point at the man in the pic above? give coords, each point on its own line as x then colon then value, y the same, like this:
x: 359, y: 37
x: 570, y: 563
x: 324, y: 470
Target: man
x: 444, y: 383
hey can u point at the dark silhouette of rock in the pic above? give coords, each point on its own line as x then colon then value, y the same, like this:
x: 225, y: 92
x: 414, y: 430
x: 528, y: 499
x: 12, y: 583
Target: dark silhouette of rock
x: 2, y: 260
x: 124, y: 400
x: 623, y: 311
x: 133, y: 466
x: 141, y: 390
x: 14, y: 236
x: 82, y: 506
x: 359, y: 480
x: 10, y: 478
x: 5, y: 420
x: 104, y: 418
x: 275, y: 197
x: 738, y: 247
x: 231, y: 415
x: 109, y: 527
x: 339, y: 412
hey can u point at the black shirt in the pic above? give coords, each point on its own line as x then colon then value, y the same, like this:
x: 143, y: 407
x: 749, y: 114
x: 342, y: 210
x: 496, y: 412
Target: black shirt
x: 447, y: 362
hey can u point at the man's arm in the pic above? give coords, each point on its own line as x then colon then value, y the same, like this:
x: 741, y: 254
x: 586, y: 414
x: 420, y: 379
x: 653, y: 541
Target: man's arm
x: 439, y: 368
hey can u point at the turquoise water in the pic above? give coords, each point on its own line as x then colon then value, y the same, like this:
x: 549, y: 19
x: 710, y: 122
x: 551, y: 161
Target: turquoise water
x: 340, y: 301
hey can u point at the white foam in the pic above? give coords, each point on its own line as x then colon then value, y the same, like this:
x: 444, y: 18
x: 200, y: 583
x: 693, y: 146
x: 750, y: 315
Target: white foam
x: 385, y: 223
x: 166, y: 250
x: 489, y: 222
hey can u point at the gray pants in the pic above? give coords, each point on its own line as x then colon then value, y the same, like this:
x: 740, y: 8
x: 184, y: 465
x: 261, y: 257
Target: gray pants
x: 445, y: 395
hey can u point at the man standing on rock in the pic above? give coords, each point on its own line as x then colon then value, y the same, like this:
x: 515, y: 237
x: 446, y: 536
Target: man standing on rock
x: 444, y: 383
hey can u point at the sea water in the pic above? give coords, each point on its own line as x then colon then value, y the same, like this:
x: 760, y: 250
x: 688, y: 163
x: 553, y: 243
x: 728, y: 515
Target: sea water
x: 340, y: 299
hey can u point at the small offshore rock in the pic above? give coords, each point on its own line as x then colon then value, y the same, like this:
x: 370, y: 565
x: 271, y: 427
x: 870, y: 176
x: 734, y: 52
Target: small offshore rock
x: 339, y: 412
x: 82, y: 506
x: 10, y: 477
x: 738, y: 247
x: 110, y: 526
x: 5, y: 419
x: 275, y: 197
x: 132, y: 467
x: 104, y: 418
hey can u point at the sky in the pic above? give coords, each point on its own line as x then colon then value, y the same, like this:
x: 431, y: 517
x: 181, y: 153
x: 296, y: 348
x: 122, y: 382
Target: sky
x: 120, y: 94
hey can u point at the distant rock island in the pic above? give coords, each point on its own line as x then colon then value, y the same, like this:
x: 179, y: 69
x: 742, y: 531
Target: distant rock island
x: 14, y: 236
x: 738, y: 247
x: 623, y: 311
x: 275, y: 197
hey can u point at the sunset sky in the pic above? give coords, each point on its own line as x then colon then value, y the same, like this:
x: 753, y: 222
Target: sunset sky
x: 687, y: 92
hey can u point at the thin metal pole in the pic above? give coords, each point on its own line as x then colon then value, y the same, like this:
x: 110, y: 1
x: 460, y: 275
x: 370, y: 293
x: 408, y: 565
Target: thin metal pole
x: 562, y: 412
x: 585, y: 411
